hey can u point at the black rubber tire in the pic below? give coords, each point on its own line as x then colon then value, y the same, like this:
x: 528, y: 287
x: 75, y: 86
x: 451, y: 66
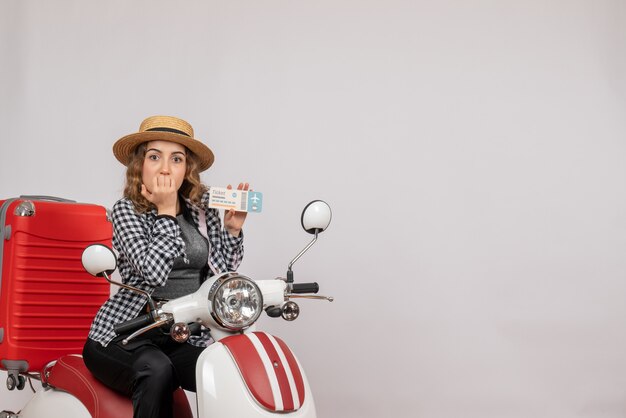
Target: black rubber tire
x: 21, y: 382
x: 11, y: 383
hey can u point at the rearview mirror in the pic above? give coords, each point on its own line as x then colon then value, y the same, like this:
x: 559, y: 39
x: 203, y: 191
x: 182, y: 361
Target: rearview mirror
x: 316, y: 217
x: 99, y: 260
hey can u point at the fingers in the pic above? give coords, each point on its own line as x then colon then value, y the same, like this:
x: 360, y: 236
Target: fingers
x: 162, y: 191
x: 163, y: 181
x: 241, y: 186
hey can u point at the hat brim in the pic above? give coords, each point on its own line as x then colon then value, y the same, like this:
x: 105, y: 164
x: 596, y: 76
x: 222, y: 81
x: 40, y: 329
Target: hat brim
x: 125, y: 146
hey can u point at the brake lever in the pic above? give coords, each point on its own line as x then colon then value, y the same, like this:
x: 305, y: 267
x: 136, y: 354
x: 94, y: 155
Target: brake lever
x: 145, y: 329
x: 295, y: 295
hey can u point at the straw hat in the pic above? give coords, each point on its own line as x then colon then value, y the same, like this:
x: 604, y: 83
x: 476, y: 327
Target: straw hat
x: 163, y: 128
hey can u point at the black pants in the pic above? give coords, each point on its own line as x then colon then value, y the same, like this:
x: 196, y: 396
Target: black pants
x: 148, y: 370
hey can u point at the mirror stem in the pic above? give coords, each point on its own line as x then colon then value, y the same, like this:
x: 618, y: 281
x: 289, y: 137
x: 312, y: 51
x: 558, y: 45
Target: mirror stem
x: 151, y: 305
x: 289, y: 271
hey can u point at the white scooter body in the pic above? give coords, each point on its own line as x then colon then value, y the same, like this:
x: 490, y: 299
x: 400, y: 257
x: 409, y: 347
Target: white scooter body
x: 52, y: 403
x: 221, y: 388
x: 222, y: 391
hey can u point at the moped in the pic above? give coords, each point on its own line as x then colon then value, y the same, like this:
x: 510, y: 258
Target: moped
x: 244, y: 373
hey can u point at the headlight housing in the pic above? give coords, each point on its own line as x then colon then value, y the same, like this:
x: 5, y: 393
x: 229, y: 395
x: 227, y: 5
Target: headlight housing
x: 236, y: 301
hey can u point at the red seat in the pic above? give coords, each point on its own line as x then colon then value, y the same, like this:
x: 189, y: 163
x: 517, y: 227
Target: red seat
x: 71, y: 375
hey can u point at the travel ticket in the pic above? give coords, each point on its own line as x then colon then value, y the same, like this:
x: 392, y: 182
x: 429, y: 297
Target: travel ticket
x: 240, y: 200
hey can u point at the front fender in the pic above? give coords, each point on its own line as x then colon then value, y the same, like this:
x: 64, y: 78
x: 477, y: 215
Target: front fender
x: 250, y: 375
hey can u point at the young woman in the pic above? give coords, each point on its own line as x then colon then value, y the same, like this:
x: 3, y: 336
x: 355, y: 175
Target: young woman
x: 168, y: 243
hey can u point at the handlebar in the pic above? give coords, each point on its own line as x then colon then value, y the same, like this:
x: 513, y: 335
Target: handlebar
x: 143, y: 323
x: 133, y: 324
x: 305, y: 288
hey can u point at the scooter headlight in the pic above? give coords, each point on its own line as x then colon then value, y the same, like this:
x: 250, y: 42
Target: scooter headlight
x: 237, y: 302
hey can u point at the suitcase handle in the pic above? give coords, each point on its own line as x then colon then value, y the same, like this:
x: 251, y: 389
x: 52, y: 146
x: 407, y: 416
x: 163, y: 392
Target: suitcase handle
x: 44, y: 197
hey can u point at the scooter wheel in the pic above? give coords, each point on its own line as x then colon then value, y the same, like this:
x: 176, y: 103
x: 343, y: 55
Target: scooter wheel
x: 21, y: 382
x: 11, y: 383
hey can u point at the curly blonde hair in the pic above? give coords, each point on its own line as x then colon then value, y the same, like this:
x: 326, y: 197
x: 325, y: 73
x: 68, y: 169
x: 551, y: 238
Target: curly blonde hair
x: 192, y: 188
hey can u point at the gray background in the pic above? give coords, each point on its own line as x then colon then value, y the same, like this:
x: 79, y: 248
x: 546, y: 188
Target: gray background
x: 472, y: 151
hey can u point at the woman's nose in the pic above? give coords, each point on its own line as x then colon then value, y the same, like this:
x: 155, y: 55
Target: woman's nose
x: 165, y: 167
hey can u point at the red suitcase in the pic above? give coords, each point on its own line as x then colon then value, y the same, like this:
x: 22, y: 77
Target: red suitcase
x: 47, y: 300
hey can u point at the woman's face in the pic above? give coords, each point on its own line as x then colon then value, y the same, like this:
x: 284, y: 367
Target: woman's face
x: 164, y: 158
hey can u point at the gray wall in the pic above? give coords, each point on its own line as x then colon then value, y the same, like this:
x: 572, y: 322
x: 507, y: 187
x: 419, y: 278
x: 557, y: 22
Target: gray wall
x: 495, y: 286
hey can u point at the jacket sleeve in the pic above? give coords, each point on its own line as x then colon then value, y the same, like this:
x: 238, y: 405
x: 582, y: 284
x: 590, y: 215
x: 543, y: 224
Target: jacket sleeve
x: 149, y: 248
x: 232, y: 249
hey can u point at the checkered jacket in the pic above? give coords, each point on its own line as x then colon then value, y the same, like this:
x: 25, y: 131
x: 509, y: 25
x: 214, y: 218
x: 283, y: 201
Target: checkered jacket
x: 147, y: 245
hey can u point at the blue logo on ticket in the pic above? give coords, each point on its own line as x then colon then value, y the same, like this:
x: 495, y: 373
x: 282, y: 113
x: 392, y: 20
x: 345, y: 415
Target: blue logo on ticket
x: 240, y: 200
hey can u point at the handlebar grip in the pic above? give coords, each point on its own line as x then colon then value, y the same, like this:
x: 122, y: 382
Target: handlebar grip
x: 305, y: 288
x: 195, y: 328
x: 133, y: 324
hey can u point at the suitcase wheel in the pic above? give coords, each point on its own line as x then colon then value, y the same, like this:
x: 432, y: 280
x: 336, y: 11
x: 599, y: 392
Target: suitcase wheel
x: 14, y: 381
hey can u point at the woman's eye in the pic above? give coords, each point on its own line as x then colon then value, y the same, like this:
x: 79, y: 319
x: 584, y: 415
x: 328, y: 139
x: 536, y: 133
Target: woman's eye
x: 178, y: 159
x: 153, y: 157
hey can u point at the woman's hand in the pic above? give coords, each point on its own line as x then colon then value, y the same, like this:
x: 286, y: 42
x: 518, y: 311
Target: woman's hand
x: 163, y: 194
x: 233, y: 220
